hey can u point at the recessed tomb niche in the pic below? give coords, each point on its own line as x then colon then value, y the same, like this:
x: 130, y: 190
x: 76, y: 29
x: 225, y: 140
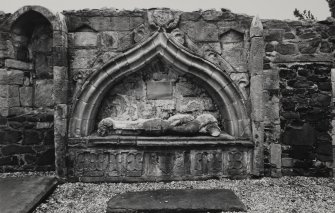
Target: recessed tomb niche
x: 158, y: 100
x: 32, y: 38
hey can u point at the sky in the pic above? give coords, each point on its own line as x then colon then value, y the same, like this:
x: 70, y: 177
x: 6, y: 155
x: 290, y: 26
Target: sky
x: 266, y: 9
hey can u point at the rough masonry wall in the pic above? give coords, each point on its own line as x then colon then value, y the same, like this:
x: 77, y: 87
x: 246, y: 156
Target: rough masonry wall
x: 296, y: 76
x: 26, y: 96
x: 299, y: 57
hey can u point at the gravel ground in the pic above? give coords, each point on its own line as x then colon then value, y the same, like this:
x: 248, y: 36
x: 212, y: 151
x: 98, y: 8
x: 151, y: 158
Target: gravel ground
x: 287, y: 194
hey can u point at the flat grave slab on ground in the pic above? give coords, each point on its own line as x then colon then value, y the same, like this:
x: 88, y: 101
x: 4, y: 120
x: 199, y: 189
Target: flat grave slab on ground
x: 176, y: 200
x: 23, y: 194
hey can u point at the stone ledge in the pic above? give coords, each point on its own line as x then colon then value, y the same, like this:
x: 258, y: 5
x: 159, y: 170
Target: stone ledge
x: 159, y: 141
x: 20, y: 65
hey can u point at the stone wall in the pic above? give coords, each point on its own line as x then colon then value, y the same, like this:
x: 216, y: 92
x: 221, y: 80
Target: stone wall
x: 299, y: 57
x: 26, y: 94
x: 295, y: 94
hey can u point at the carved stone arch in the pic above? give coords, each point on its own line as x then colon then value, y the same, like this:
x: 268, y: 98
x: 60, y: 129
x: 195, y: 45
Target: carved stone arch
x: 226, y: 93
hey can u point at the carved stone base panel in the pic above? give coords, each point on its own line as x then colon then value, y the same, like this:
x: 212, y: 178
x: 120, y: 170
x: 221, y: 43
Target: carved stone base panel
x: 157, y: 164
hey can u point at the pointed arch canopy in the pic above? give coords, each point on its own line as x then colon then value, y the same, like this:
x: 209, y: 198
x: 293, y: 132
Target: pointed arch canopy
x: 226, y: 94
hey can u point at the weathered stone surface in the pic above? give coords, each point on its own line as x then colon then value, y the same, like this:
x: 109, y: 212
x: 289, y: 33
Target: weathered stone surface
x: 184, y: 200
x: 256, y: 28
x: 121, y: 23
x: 271, y: 79
x: 23, y: 194
x: 309, y: 47
x: 97, y: 23
x: 16, y: 149
x: 200, y: 31
x: 43, y: 65
x: 43, y: 96
x: 20, y: 65
x: 31, y: 137
x: 159, y: 90
x: 26, y: 96
x: 211, y: 15
x: 110, y: 39
x: 84, y: 39
x: 83, y: 58
x: 287, y: 162
x: 190, y: 16
x: 289, y: 36
x: 325, y: 47
x: 286, y: 49
x: 11, y: 77
x: 274, y: 35
x: 275, y: 160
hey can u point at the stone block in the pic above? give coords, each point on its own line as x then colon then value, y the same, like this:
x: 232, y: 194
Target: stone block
x: 125, y: 40
x: 275, y: 153
x: 257, y: 53
x: 287, y: 162
x: 60, y: 56
x: 159, y: 90
x: 83, y: 58
x: 271, y: 108
x: 26, y: 96
x: 11, y: 77
x: 135, y: 21
x: 201, y: 31
x: 19, y: 110
x: 289, y: 36
x: 4, y: 103
x: 20, y: 65
x: 84, y: 39
x: 304, y: 135
x: 60, y: 73
x: 286, y: 49
x: 189, y: 104
x: 100, y: 23
x: 324, y: 149
x: 43, y: 93
x: 190, y: 16
x: 256, y: 95
x: 43, y: 125
x: 16, y: 149
x: 8, y: 91
x: 31, y: 137
x: 109, y: 39
x: 309, y: 47
x: 211, y: 15
x: 60, y: 39
x: 271, y: 79
x: 10, y: 160
x: 165, y: 104
x: 187, y: 89
x: 325, y: 47
x: 120, y: 23
x: 274, y: 35
x: 43, y: 65
x: 14, y: 101
x: 46, y: 158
